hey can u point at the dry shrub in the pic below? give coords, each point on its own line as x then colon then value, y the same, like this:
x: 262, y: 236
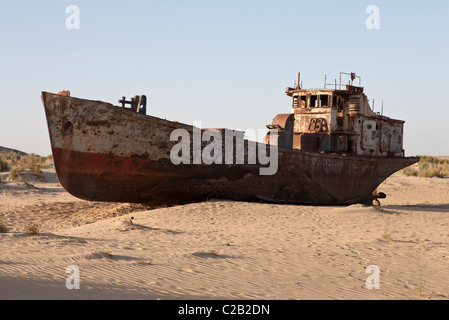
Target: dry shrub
x: 32, y: 229
x: 31, y: 162
x: 428, y: 167
x: 3, y: 227
x: 410, y: 171
x: 16, y: 173
x: 3, y: 164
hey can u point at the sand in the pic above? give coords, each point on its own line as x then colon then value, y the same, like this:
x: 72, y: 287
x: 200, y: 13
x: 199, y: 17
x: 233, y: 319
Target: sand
x: 225, y: 249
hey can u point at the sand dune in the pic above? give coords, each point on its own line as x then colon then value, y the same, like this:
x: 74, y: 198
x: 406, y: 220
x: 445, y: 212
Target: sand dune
x: 224, y: 249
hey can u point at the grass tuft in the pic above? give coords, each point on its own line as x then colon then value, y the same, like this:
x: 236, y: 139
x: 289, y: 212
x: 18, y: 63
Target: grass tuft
x: 428, y: 167
x: 32, y: 162
x: 3, y: 227
x: 107, y: 254
x: 4, y: 166
x: 32, y: 229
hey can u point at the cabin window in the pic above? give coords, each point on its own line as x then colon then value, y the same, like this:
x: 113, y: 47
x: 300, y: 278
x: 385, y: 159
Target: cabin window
x: 313, y: 101
x: 303, y: 100
x: 295, y: 102
x: 324, y: 101
x: 337, y: 103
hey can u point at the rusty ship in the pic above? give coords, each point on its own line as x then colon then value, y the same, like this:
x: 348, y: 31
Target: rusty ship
x: 331, y: 149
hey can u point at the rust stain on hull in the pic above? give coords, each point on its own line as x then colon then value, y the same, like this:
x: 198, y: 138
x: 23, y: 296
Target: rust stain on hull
x: 108, y: 153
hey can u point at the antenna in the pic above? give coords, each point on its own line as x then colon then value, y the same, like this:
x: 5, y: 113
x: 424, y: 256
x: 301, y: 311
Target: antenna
x: 382, y: 112
x: 299, y: 78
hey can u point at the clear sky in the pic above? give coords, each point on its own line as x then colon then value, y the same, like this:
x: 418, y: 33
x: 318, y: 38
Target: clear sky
x: 224, y: 63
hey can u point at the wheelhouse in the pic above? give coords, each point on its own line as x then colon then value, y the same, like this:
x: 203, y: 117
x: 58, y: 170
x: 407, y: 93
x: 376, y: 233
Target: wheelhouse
x: 336, y: 121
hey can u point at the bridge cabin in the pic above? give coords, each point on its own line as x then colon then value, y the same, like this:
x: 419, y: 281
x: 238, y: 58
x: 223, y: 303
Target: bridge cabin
x: 336, y: 121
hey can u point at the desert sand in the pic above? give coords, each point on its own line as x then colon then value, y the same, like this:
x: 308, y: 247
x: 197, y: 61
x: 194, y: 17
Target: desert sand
x: 223, y: 249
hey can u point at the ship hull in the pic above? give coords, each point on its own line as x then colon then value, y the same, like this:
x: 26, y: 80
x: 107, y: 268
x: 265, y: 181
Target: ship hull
x: 108, y: 153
